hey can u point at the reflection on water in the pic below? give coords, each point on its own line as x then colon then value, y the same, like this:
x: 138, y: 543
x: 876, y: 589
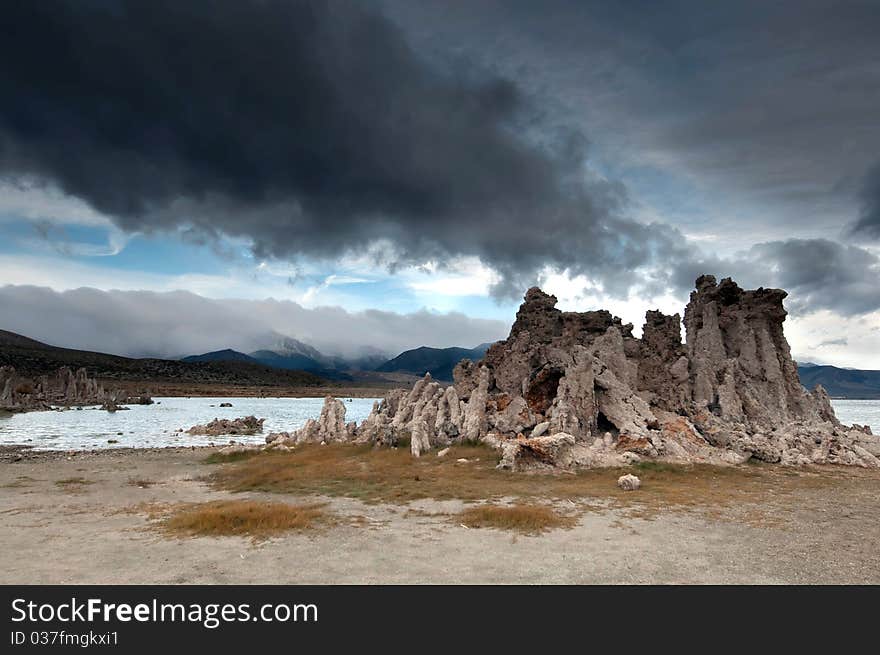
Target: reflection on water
x: 156, y: 425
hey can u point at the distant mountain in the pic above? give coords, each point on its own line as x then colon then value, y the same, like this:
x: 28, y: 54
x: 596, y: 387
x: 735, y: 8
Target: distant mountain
x: 291, y: 362
x: 841, y: 382
x: 439, y: 362
x: 288, y: 347
x: 367, y: 359
x: 290, y: 353
x: 227, y: 355
x: 32, y: 358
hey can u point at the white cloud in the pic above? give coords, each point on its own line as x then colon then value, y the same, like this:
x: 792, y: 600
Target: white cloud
x: 579, y: 294
x: 827, y: 338
x: 331, y: 280
x: 45, y: 203
x: 463, y: 276
x: 180, y: 323
x: 65, y: 274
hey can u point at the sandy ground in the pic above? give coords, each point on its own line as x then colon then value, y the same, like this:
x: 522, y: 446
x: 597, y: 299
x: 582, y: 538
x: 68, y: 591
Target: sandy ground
x: 101, y: 532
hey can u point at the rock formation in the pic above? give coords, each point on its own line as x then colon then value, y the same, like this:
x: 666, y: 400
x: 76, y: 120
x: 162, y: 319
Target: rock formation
x: 62, y: 389
x: 572, y: 389
x: 223, y: 426
x: 629, y: 482
x: 329, y: 427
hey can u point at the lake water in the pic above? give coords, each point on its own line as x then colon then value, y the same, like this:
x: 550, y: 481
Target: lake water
x: 146, y: 426
x: 863, y: 412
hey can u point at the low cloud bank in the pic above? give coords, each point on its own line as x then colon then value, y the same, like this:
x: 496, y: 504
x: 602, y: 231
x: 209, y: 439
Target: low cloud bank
x: 178, y: 323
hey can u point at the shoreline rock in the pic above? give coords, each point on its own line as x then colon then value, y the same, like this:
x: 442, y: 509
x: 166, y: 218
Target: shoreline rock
x: 246, y: 425
x: 629, y: 482
x: 64, y: 388
x: 329, y: 427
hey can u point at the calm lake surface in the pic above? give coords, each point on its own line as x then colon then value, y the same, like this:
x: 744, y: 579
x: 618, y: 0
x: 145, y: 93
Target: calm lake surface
x: 156, y: 425
x: 863, y: 412
x: 149, y: 426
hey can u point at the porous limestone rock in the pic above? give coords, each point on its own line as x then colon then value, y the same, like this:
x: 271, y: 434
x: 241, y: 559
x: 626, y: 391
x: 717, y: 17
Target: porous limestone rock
x: 329, y: 427
x: 111, y: 406
x: 629, y: 482
x: 474, y: 417
x: 274, y: 439
x: 537, y: 452
x: 221, y: 426
x: 419, y: 441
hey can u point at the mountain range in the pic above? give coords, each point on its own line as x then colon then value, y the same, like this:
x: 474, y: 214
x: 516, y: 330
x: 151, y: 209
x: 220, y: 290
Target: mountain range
x: 292, y: 354
x: 34, y: 358
x: 439, y: 362
x: 841, y: 382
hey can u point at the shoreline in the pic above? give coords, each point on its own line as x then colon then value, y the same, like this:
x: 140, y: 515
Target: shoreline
x: 21, y: 452
x: 171, y: 389
x: 219, y: 393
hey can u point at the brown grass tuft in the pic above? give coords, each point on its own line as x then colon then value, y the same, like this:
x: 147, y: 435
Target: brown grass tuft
x: 19, y: 482
x: 225, y: 458
x: 73, y: 482
x: 255, y: 519
x: 526, y: 519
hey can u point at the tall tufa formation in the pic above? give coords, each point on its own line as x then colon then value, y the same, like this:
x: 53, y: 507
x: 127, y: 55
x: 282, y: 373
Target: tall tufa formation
x: 64, y: 388
x: 578, y: 389
x: 742, y: 367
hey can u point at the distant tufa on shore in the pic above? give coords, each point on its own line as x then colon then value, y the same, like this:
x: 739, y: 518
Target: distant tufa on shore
x: 63, y: 389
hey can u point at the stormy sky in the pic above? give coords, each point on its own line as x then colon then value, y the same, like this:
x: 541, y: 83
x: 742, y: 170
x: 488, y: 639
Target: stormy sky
x: 431, y: 160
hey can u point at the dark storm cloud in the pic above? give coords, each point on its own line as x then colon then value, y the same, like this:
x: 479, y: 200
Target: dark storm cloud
x: 314, y: 127
x: 763, y: 113
x: 869, y: 220
x: 308, y: 127
x: 818, y: 274
x: 745, y: 122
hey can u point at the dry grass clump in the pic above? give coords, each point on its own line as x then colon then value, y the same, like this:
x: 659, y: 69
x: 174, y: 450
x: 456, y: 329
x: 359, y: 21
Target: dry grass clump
x: 19, y: 482
x: 526, y: 519
x: 225, y: 458
x: 73, y: 482
x: 255, y: 519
